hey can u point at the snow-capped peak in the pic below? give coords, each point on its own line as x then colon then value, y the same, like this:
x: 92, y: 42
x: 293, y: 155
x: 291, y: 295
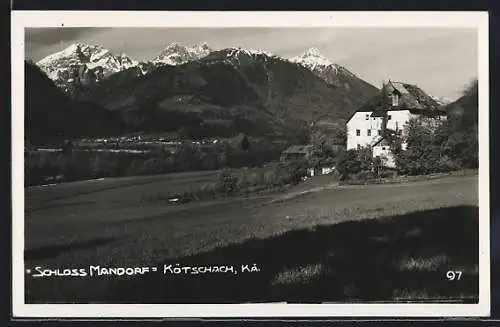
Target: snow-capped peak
x: 313, y: 52
x: 235, y: 51
x: 90, y: 55
x: 440, y: 100
x: 81, y: 52
x: 64, y: 66
x: 177, y: 54
x: 323, y: 67
x: 67, y: 53
x: 204, y: 46
x: 311, y: 59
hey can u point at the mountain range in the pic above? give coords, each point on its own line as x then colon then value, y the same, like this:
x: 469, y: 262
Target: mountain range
x: 177, y: 54
x: 83, y: 64
x: 196, y: 90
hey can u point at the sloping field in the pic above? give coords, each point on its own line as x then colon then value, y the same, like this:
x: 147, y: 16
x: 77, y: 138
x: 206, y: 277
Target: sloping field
x: 39, y: 196
x: 348, y: 243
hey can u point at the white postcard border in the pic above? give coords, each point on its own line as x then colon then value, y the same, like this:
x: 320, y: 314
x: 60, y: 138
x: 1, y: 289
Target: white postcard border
x: 22, y: 19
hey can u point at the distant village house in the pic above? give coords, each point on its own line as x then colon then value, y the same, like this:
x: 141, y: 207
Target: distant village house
x: 305, y: 153
x: 297, y: 152
x: 392, y: 110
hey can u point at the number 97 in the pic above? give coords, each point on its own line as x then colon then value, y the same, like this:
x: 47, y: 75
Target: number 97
x: 453, y: 275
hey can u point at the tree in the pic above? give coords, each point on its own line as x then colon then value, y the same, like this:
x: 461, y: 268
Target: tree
x: 471, y: 89
x: 209, y: 161
x: 416, y: 158
x: 184, y: 156
x: 152, y: 166
x: 302, y: 134
x: 365, y: 158
x: 67, y: 148
x: 328, y: 151
x: 245, y: 144
x: 340, y: 138
x: 428, y: 149
x: 348, y: 164
x: 378, y: 166
x: 452, y: 144
x: 462, y: 128
x: 385, y: 97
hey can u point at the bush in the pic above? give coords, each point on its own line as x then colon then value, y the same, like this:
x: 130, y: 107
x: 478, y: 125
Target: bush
x: 440, y: 149
x: 297, y: 172
x: 363, y: 175
x: 269, y: 178
x: 289, y: 173
x: 445, y: 164
x: 388, y: 174
x: 242, y: 181
x: 152, y: 166
x: 79, y: 165
x: 352, y: 162
x: 226, y: 182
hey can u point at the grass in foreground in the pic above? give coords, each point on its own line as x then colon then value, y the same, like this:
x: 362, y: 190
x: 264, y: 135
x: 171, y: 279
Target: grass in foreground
x: 313, y: 248
x: 370, y: 260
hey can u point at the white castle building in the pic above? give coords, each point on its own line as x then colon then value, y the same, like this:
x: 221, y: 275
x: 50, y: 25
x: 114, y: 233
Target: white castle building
x: 403, y: 103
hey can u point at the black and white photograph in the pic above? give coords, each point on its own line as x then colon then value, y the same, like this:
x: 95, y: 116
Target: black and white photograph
x: 240, y: 162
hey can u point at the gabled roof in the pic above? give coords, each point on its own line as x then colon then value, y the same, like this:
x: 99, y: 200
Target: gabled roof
x: 400, y: 87
x: 411, y: 98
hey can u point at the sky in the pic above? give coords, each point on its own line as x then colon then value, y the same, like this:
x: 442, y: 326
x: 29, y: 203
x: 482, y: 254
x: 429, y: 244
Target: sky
x: 442, y: 61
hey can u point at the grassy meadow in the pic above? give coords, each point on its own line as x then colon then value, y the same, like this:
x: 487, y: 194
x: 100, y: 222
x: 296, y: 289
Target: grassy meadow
x: 316, y: 242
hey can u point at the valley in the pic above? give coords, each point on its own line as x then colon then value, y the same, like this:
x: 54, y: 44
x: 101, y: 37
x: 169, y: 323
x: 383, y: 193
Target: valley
x: 194, y: 91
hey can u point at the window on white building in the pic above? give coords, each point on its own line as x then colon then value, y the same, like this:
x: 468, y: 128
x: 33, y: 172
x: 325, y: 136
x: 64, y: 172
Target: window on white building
x: 369, y: 132
x: 383, y: 148
x: 379, y: 132
x: 358, y: 132
x: 400, y: 132
x: 359, y: 146
x: 389, y: 117
x: 367, y: 117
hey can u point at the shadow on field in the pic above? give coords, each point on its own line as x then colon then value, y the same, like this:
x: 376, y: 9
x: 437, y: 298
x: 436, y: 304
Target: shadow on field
x: 53, y: 251
x: 402, y: 258
x: 399, y: 258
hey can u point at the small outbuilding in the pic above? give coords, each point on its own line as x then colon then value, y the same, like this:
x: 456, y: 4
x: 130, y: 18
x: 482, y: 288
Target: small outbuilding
x: 297, y: 152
